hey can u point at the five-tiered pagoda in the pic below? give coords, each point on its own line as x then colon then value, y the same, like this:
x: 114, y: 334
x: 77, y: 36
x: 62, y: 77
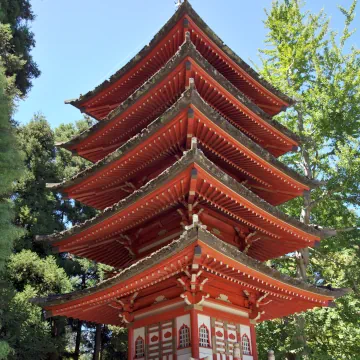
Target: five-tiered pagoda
x: 187, y: 179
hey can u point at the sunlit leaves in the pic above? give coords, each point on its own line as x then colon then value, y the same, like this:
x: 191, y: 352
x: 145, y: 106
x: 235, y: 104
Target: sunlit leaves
x: 321, y: 70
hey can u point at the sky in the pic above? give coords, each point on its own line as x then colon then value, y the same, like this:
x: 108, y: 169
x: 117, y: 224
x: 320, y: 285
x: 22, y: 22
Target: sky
x: 80, y: 43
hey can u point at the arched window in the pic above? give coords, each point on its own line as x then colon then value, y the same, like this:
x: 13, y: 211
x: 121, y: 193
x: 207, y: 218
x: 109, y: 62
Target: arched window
x: 245, y: 342
x: 139, y: 348
x: 204, y: 336
x: 184, y: 336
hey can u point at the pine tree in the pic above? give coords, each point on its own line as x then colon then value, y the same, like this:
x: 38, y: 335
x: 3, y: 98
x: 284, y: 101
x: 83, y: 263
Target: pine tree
x: 16, y: 43
x: 30, y: 336
x: 10, y: 169
x: 31, y: 271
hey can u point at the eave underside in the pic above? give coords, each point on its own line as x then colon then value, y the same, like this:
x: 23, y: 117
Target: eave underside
x: 163, y: 90
x: 192, y: 185
x: 143, y: 157
x: 218, y: 268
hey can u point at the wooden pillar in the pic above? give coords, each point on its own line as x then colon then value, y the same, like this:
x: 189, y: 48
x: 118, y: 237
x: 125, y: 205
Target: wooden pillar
x: 131, y: 354
x: 253, y: 342
x: 195, y: 353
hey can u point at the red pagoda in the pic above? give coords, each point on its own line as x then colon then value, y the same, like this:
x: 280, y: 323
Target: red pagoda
x: 187, y: 180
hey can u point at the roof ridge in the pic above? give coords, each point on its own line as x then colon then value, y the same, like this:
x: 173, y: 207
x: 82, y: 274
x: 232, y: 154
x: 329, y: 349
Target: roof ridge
x: 185, y: 8
x: 184, y: 50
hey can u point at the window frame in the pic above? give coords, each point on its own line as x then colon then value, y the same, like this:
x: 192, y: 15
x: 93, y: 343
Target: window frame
x: 203, y: 326
x: 139, y: 338
x: 183, y: 327
x: 245, y: 336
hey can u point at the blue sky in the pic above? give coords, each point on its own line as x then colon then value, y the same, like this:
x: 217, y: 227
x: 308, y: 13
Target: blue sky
x: 80, y: 43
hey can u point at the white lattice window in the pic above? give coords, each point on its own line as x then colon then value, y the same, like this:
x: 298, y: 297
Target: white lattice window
x: 139, y: 348
x: 245, y: 342
x: 184, y: 336
x: 204, y: 336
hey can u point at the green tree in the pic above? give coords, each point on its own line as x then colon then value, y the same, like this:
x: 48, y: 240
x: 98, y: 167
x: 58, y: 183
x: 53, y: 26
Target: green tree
x: 318, y: 67
x: 16, y: 43
x: 38, y: 210
x: 28, y: 335
x: 32, y: 272
x: 10, y: 168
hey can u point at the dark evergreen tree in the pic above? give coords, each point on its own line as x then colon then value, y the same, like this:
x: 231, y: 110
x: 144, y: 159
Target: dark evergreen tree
x: 11, y: 167
x: 16, y: 42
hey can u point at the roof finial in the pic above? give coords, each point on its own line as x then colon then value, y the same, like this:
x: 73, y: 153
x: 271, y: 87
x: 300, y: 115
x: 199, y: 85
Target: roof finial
x: 178, y: 3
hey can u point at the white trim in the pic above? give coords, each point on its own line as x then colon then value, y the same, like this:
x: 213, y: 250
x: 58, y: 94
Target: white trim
x: 159, y: 310
x: 225, y: 308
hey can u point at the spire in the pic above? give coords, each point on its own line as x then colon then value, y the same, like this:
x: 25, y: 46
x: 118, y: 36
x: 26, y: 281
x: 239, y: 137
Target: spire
x: 178, y: 3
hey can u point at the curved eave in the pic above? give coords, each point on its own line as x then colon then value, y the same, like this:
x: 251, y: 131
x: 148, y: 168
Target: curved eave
x: 184, y: 9
x: 201, y: 243
x: 186, y: 50
x: 193, y: 156
x: 189, y: 97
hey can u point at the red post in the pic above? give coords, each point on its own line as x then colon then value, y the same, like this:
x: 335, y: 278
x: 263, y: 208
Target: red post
x: 131, y: 354
x: 175, y: 340
x: 253, y: 342
x: 195, y: 353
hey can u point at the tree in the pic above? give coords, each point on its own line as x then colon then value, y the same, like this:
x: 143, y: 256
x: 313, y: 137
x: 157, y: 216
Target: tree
x: 16, y: 43
x: 10, y: 168
x: 29, y: 336
x: 115, y: 343
x: 38, y: 210
x: 32, y: 272
x: 29, y: 275
x: 317, y: 67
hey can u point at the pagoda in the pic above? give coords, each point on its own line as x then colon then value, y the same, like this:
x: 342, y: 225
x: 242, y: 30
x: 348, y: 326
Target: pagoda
x: 186, y: 179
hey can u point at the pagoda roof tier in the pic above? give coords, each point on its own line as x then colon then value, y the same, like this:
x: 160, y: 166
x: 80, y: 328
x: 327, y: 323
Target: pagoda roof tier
x: 100, y: 101
x: 155, y: 214
x: 163, y: 89
x: 145, y: 156
x: 210, y: 266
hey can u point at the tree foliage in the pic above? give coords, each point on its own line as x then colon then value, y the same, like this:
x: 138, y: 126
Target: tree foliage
x: 31, y: 270
x: 37, y: 209
x: 16, y: 43
x: 321, y: 70
x: 10, y: 168
x: 29, y: 336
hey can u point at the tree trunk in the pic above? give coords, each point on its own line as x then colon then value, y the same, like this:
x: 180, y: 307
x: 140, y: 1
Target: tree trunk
x: 303, y: 254
x: 54, y: 334
x: 79, y: 325
x: 78, y: 340
x: 97, y: 347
